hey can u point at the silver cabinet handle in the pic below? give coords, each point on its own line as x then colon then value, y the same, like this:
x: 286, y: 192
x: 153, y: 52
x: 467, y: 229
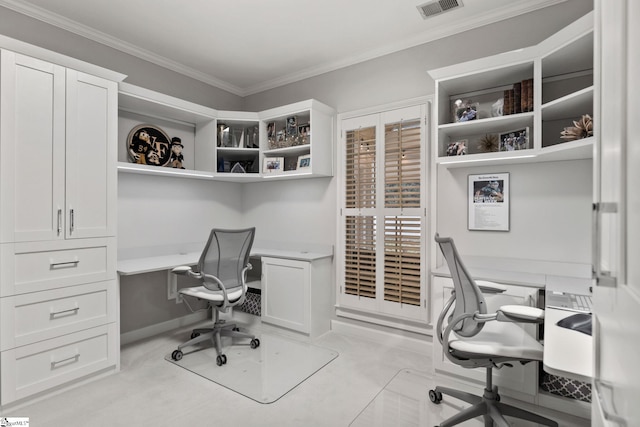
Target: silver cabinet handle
x: 73, y: 358
x: 603, y: 278
x: 53, y: 314
x: 59, y: 221
x: 73, y: 263
x: 608, y: 413
x: 71, y: 221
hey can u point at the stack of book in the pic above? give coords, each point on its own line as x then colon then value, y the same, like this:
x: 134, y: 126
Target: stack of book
x: 519, y: 99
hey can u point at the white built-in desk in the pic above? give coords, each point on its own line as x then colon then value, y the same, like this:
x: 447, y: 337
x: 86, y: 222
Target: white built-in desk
x: 147, y: 264
x: 296, y: 283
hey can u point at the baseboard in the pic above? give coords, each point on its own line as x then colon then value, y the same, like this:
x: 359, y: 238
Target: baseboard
x: 405, y: 343
x: 159, y: 328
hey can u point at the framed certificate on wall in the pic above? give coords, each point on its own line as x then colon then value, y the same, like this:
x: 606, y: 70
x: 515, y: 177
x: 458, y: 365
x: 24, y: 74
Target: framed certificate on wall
x: 489, y: 202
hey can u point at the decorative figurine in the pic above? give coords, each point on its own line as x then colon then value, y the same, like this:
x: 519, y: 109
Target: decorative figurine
x: 176, y: 153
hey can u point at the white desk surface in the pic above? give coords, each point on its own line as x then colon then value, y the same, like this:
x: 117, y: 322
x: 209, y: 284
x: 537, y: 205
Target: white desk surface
x: 167, y: 262
x: 567, y: 353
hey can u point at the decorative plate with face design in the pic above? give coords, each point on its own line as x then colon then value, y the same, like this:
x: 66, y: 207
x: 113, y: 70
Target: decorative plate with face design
x: 148, y: 145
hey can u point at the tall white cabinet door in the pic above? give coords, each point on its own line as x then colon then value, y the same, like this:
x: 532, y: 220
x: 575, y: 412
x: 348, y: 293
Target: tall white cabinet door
x: 91, y: 156
x: 617, y: 294
x: 32, y: 149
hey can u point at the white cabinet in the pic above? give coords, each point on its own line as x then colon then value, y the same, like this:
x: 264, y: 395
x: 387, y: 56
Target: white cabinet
x: 553, y: 87
x: 520, y: 380
x: 58, y: 295
x: 296, y: 294
x: 231, y: 145
x: 57, y: 179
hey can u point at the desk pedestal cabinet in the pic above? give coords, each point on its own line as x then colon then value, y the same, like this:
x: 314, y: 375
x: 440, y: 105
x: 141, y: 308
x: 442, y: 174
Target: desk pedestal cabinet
x: 58, y: 300
x: 296, y: 294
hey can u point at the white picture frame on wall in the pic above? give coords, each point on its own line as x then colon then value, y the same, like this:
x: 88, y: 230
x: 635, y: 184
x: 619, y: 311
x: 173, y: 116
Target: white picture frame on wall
x: 488, y: 202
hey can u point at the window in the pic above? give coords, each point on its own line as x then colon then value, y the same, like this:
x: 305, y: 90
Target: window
x: 382, y: 260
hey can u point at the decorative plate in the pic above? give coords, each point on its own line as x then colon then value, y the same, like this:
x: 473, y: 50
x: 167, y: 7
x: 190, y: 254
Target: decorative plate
x: 148, y: 145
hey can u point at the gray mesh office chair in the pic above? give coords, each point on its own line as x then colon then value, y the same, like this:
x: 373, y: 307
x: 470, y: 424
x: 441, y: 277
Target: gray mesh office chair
x: 222, y: 269
x: 473, y: 338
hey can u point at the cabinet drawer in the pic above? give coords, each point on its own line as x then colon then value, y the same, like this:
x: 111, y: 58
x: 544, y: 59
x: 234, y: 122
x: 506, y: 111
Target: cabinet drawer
x: 38, y: 266
x: 38, y: 367
x: 37, y: 316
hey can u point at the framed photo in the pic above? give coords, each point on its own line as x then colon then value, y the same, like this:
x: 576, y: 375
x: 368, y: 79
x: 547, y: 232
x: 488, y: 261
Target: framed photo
x: 304, y: 129
x: 304, y: 162
x: 489, y: 202
x: 271, y: 130
x: 457, y: 148
x: 273, y: 165
x: 280, y: 136
x: 148, y: 145
x: 464, y: 110
x: 514, y: 140
x: 292, y: 126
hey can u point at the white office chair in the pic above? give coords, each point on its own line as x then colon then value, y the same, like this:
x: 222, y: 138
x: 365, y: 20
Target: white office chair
x: 222, y: 269
x: 473, y: 338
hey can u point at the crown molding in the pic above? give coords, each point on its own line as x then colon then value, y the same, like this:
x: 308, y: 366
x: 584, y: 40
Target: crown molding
x: 487, y: 18
x: 66, y: 24
x: 59, y: 21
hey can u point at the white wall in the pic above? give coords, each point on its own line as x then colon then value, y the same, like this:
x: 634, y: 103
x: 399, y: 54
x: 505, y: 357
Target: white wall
x: 300, y: 211
x: 155, y: 211
x: 550, y: 212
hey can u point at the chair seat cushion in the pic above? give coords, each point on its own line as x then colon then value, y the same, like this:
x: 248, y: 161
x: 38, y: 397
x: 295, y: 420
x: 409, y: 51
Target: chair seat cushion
x: 499, y: 339
x: 206, y: 294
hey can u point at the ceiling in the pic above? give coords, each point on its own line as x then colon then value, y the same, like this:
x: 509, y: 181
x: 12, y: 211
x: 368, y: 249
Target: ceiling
x: 247, y: 46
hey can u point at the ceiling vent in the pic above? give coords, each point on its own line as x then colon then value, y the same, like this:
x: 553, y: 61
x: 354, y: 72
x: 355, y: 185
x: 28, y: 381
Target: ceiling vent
x: 437, y: 7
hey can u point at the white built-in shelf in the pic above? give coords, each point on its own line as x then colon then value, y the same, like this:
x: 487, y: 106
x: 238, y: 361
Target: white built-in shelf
x: 483, y: 126
x: 207, y: 155
x: 562, y: 71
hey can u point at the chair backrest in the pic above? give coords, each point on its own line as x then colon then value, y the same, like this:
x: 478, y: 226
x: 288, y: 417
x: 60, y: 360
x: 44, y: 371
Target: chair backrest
x: 225, y: 256
x: 469, y: 298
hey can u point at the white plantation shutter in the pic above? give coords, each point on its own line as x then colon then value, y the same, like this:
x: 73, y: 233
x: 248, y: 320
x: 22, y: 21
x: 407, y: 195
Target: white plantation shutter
x: 360, y: 256
x: 360, y: 156
x: 402, y: 164
x: 382, y: 259
x: 402, y: 259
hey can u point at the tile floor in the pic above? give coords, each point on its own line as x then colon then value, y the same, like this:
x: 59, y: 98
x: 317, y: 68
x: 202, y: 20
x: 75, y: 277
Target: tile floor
x: 368, y: 384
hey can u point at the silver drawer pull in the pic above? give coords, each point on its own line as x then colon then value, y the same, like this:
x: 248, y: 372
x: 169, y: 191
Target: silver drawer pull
x: 608, y: 413
x: 69, y: 311
x: 60, y: 264
x: 71, y: 221
x: 73, y: 359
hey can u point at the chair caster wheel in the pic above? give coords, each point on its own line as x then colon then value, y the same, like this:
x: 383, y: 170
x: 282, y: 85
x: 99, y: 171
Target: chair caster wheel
x: 194, y: 334
x: 435, y: 396
x: 255, y: 343
x: 176, y: 355
x: 221, y: 360
x: 236, y: 329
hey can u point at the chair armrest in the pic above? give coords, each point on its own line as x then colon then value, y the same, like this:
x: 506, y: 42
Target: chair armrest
x: 490, y: 287
x: 182, y: 270
x: 520, y: 313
